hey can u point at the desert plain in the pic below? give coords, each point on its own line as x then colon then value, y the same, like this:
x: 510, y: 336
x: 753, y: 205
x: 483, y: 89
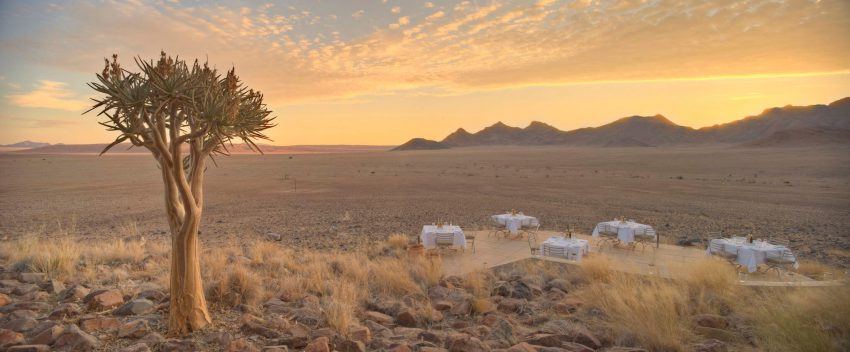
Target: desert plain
x: 351, y: 200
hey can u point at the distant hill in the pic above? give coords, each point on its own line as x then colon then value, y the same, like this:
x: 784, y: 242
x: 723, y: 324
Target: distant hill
x: 26, y: 144
x: 124, y: 148
x: 421, y: 144
x: 805, y: 124
x: 803, y: 137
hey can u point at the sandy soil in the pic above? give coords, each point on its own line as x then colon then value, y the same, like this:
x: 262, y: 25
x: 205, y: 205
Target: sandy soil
x: 344, y: 200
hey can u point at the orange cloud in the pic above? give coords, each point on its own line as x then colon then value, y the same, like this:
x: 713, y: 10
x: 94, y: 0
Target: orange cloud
x: 49, y: 95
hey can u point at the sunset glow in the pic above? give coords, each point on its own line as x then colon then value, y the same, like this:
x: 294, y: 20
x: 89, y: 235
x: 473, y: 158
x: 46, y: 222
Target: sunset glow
x: 381, y: 72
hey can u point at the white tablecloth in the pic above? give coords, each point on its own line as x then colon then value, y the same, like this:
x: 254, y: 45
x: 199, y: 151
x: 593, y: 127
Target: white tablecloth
x: 625, y: 229
x: 575, y: 248
x: 515, y: 222
x: 749, y: 255
x: 429, y: 235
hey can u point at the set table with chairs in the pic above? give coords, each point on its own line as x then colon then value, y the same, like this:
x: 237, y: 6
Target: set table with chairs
x: 745, y: 252
x: 627, y: 232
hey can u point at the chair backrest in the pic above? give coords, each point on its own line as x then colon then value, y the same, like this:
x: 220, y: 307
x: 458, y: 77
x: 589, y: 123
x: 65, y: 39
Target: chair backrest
x: 714, y: 234
x: 445, y: 239
x: 554, y: 251
x: 715, y: 247
x: 532, y: 241
x: 784, y: 255
x: 606, y: 229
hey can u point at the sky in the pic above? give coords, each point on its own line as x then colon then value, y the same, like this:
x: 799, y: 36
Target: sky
x: 383, y: 71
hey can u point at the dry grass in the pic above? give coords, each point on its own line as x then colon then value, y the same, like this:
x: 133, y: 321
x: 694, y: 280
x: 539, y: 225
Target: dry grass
x: 235, y: 286
x: 398, y: 240
x: 597, y: 267
x: 807, y: 319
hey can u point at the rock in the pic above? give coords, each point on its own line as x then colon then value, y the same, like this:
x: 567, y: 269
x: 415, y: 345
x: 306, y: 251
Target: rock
x: 136, y: 307
x: 572, y: 332
x: 511, y: 305
x: 241, y: 345
x: 64, y: 311
x: 152, y: 339
x: 523, y: 347
x: 351, y: 346
x: 21, y: 324
x: 134, y: 329
x: 177, y: 345
x: 360, y: 333
x: 400, y: 348
x: 274, y: 236
x: 442, y: 305
x: 54, y: 286
x: 297, y: 336
x: 464, y: 343
x: 103, y: 300
x: 32, y: 278
x: 710, y: 321
x: 48, y: 336
x: 74, y: 293
x: 710, y: 345
x: 4, y: 299
x: 547, y: 340
x: 560, y: 284
x: 575, y: 347
x: 92, y: 323
x: 522, y: 290
x: 461, y: 307
x: 29, y: 348
x: 152, y: 295
x: 24, y: 289
x: 139, y: 347
x: 503, y: 331
x: 9, y: 338
x: 275, y: 349
x: 408, y: 318
x: 318, y: 345
x: 74, y: 339
x: 256, y: 326
x: 310, y: 316
x: 501, y: 288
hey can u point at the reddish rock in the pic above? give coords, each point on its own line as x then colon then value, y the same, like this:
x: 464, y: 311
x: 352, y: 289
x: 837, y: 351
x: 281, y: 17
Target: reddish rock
x: 74, y: 339
x: 53, y: 286
x: 74, y: 293
x: 32, y: 278
x: 98, y: 323
x: 135, y: 307
x: 378, y: 317
x: 9, y: 338
x: 134, y: 329
x: 443, y: 305
x: 711, y: 345
x: 241, y: 345
x: 64, y: 311
x: 408, y: 318
x: 465, y: 343
x: 522, y: 347
x: 107, y: 299
x: 360, y: 333
x: 4, y: 300
x: 511, y: 305
x: 318, y: 345
x: 351, y: 346
x: 48, y: 336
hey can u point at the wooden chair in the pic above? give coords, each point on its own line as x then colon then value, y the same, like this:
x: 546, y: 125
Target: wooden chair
x: 498, y: 229
x: 470, y: 239
x: 718, y: 250
x: 532, y: 245
x: 785, y: 260
x: 645, y: 238
x: 607, y: 235
x: 445, y: 241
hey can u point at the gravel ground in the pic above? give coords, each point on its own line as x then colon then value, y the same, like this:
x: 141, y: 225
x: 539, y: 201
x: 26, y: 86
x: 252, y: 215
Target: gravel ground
x: 338, y: 201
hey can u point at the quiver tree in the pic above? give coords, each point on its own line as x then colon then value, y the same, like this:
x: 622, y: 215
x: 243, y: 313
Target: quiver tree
x: 182, y: 114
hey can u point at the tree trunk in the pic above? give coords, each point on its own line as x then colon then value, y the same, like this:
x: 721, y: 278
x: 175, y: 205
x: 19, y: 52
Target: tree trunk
x: 188, y: 311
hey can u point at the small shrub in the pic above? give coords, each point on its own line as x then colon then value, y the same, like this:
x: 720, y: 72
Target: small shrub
x: 238, y: 285
x: 596, y: 268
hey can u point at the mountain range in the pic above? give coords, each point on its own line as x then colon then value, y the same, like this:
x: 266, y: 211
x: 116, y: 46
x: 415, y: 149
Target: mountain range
x: 788, y: 125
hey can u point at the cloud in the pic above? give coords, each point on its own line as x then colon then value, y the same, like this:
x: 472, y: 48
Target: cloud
x: 429, y: 5
x: 295, y: 56
x: 49, y: 95
x: 395, y: 9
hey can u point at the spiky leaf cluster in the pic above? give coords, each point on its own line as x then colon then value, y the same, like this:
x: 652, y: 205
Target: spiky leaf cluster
x: 170, y: 103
